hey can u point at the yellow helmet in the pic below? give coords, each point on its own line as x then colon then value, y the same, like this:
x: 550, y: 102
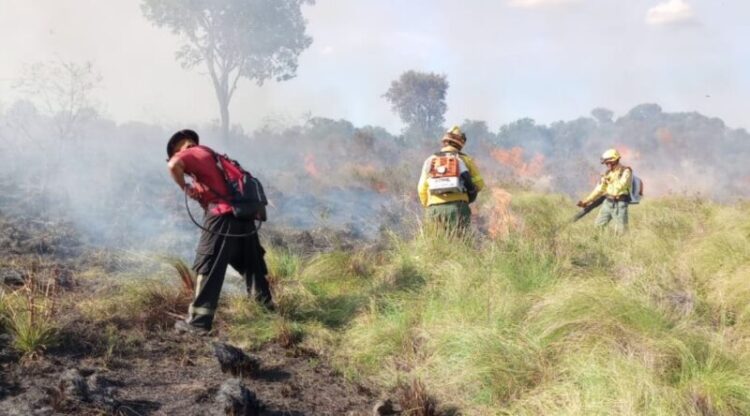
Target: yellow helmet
x: 455, y: 136
x: 611, y: 155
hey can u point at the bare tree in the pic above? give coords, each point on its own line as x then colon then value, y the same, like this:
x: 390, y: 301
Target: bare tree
x: 253, y: 39
x: 63, y: 91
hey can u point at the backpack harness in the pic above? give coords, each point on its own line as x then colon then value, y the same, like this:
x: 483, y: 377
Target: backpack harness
x: 246, y: 195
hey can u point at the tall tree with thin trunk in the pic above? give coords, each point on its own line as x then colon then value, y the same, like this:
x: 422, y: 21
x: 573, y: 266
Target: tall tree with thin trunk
x: 253, y: 39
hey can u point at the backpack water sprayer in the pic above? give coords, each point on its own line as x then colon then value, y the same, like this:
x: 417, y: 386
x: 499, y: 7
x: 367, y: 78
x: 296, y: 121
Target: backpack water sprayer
x: 636, y: 189
x: 445, y: 174
x: 635, y: 196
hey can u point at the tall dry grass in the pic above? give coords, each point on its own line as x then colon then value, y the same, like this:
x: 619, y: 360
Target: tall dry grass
x: 554, y: 318
x: 143, y: 302
x: 31, y: 315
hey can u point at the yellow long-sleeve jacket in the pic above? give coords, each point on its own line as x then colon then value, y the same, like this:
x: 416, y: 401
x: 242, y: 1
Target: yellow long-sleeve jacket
x: 423, y: 189
x: 614, y: 183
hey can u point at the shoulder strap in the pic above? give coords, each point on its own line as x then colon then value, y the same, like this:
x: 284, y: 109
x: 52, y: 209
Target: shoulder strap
x: 217, y: 161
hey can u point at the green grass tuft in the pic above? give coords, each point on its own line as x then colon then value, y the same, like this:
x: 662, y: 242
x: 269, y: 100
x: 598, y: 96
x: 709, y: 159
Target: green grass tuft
x: 30, y: 315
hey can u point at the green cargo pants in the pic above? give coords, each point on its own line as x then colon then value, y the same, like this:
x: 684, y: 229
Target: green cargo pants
x: 449, y: 216
x: 614, y: 210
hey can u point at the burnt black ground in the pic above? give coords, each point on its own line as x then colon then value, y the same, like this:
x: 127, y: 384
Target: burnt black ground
x: 173, y: 374
x: 152, y: 372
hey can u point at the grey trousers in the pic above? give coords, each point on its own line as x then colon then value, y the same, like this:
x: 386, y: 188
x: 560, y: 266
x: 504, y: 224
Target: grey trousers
x: 214, y: 254
x: 616, y: 211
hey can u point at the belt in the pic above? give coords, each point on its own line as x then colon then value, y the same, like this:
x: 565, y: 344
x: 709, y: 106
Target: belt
x: 211, y: 206
x: 618, y: 198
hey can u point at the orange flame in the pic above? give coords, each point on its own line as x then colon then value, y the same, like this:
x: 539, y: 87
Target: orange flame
x: 501, y: 220
x: 514, y: 159
x: 665, y: 136
x: 628, y: 153
x: 371, y: 175
x: 310, y: 167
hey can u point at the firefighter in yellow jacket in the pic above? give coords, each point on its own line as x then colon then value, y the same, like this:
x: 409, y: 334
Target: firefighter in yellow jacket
x: 450, y: 181
x: 614, y: 186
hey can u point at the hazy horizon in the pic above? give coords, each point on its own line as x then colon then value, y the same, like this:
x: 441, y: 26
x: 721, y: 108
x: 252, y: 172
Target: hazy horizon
x: 544, y: 59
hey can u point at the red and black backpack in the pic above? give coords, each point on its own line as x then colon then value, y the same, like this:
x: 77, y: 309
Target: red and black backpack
x: 246, y: 194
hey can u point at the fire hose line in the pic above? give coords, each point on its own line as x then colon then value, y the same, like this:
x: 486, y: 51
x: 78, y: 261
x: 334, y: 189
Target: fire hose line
x: 190, y: 214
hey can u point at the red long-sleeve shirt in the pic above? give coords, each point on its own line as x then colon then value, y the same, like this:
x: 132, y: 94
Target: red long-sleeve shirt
x: 208, y: 180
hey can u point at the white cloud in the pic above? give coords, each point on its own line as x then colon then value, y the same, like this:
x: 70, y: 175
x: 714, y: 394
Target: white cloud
x: 535, y: 4
x: 670, y: 12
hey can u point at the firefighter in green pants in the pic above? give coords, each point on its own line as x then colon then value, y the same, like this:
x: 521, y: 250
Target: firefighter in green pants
x: 449, y: 182
x: 615, y: 186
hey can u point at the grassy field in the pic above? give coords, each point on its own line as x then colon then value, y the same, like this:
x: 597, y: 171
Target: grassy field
x: 550, y: 318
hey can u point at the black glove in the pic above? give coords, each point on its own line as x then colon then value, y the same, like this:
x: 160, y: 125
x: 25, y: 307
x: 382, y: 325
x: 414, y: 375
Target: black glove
x: 471, y: 189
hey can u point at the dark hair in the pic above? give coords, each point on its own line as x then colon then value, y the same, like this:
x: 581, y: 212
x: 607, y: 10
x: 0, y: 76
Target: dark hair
x: 177, y: 137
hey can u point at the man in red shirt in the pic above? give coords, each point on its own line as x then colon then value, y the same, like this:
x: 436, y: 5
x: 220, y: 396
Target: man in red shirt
x: 216, y: 248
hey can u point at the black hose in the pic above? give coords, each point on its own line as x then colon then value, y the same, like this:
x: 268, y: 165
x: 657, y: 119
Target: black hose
x: 190, y: 214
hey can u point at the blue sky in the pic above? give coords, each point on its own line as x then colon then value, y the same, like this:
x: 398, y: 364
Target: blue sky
x: 544, y: 59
